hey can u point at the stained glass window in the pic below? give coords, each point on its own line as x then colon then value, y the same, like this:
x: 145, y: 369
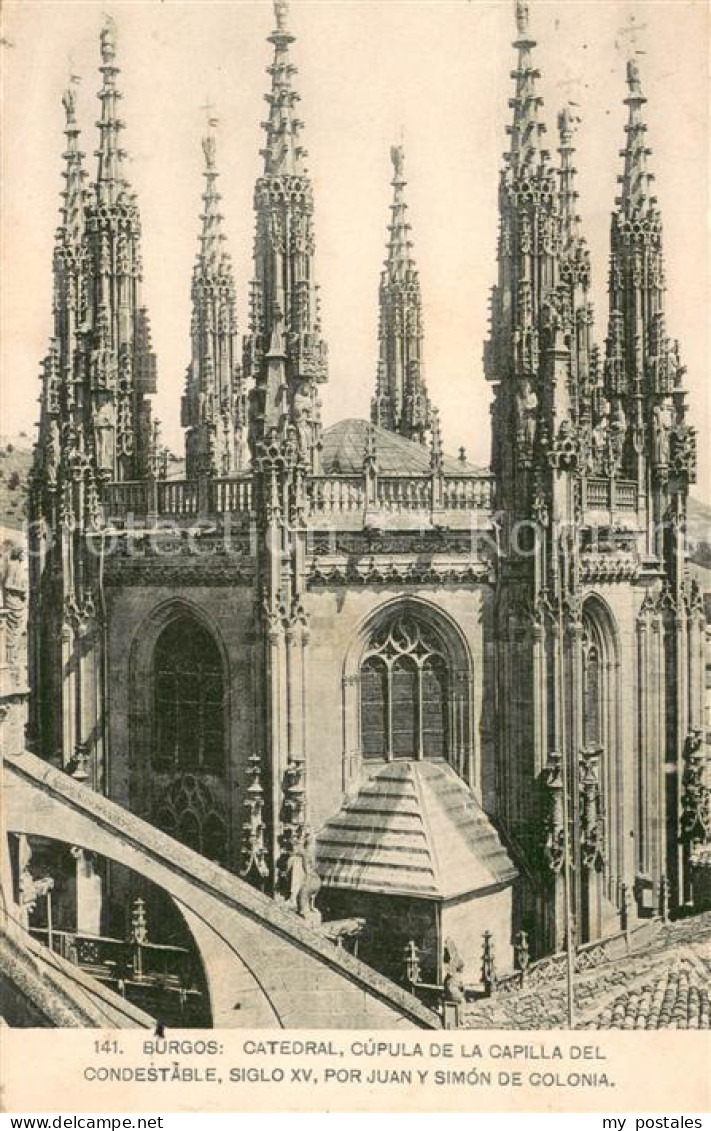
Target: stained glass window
x: 404, y: 693
x: 189, y: 698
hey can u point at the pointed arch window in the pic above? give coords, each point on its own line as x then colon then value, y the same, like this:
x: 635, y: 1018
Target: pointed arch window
x: 189, y: 699
x: 404, y: 693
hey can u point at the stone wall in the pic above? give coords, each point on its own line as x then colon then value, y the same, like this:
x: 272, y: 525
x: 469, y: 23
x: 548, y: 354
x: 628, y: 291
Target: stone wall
x: 337, y: 619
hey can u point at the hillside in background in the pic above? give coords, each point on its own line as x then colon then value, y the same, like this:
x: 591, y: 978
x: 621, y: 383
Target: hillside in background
x: 15, y: 464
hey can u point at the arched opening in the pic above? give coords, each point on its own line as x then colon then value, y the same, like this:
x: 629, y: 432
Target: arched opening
x: 189, y: 693
x: 601, y: 786
x: 413, y: 691
x: 180, y: 763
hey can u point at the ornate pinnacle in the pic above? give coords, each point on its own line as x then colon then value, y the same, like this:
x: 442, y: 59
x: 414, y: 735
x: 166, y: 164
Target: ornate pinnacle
x: 436, y: 442
x: 401, y: 403
x: 212, y: 258
x: 399, y: 264
x: 526, y: 130
x: 283, y: 154
x: 635, y: 179
x: 110, y: 180
x: 567, y: 124
x: 72, y: 228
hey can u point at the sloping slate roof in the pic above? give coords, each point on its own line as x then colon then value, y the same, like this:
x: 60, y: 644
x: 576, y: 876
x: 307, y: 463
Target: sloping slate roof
x: 344, y: 448
x: 671, y: 997
x: 413, y: 828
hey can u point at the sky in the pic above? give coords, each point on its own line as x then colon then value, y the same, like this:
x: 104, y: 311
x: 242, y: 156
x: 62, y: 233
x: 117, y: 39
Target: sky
x: 370, y: 72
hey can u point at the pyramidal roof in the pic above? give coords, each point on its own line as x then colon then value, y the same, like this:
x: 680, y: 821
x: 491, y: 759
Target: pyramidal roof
x: 344, y: 447
x: 413, y: 828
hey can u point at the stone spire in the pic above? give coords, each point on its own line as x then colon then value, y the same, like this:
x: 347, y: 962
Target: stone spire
x: 401, y: 403
x: 58, y: 405
x: 119, y: 362
x: 283, y: 153
x: 642, y: 370
x: 284, y: 296
x: 575, y: 273
x: 571, y: 233
x: 214, y: 409
x: 636, y: 180
x: 526, y: 151
x: 110, y: 179
x: 72, y: 230
x: 524, y: 299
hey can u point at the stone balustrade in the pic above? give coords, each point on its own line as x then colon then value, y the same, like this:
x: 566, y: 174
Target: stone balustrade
x: 330, y: 497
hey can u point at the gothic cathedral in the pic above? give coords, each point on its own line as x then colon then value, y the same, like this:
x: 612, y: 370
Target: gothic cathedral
x: 366, y: 677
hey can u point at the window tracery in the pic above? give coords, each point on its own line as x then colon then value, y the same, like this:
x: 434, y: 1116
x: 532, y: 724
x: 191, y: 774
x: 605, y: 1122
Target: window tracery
x: 188, y: 699
x: 404, y: 684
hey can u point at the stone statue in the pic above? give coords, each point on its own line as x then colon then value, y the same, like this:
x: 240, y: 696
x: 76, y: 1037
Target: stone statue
x: 14, y: 600
x: 522, y: 17
x: 454, y: 973
x: 104, y: 433
x: 209, y: 148
x: 69, y: 102
x: 617, y: 432
x: 661, y: 437
x: 108, y: 40
x: 304, y: 880
x: 597, y: 441
x: 633, y: 79
x: 281, y: 10
x: 527, y: 405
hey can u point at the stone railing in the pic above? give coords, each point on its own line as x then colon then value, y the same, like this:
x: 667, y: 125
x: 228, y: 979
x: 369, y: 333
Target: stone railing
x: 336, y: 496
x: 398, y: 494
x: 178, y: 498
x: 126, y: 498
x: 589, y: 956
x: 468, y: 493
x: 112, y: 958
x: 231, y: 496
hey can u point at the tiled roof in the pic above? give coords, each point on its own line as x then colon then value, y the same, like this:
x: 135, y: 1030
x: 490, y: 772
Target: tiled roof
x: 675, y: 996
x: 413, y: 828
x: 663, y: 983
x: 344, y: 447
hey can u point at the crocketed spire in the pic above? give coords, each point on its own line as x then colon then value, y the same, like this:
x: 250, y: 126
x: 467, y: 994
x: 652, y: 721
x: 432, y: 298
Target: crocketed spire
x: 526, y: 152
x: 214, y: 407
x: 284, y: 297
x: 636, y: 180
x: 399, y: 265
x: 568, y: 194
x: 283, y: 153
x: 643, y: 372
x: 110, y: 179
x: 400, y: 403
x: 213, y: 255
x: 72, y: 228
